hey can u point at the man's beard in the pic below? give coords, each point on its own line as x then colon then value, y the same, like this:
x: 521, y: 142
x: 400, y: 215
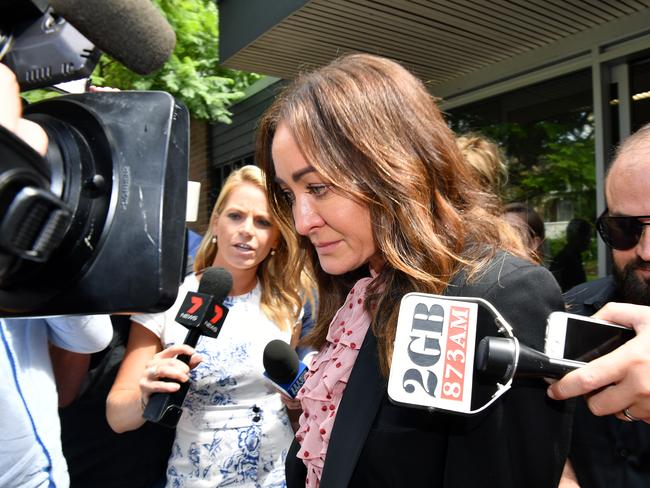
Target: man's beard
x: 632, y: 288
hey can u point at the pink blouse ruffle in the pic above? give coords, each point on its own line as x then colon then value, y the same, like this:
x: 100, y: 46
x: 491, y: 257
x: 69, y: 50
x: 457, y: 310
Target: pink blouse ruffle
x: 327, y: 378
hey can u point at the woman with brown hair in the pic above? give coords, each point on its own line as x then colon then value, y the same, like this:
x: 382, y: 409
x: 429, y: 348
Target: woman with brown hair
x: 360, y: 161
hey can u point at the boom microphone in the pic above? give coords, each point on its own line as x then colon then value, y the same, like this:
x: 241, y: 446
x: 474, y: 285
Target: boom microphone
x: 284, y: 368
x: 132, y: 31
x: 202, y: 313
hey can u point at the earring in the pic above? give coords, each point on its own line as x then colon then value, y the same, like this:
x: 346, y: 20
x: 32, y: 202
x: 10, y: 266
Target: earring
x: 272, y: 252
x: 214, y: 240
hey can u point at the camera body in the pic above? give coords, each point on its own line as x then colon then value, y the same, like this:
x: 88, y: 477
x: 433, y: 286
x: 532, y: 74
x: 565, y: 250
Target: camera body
x: 98, y: 224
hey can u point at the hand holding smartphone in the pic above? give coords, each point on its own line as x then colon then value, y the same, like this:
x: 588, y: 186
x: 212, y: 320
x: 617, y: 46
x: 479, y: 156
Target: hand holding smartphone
x: 580, y: 338
x: 616, y: 383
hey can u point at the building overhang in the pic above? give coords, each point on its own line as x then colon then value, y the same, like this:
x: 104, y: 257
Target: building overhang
x: 455, y: 47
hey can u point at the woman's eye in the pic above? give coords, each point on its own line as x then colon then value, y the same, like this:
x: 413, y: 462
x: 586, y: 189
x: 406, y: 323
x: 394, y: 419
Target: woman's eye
x: 234, y: 216
x: 317, y: 190
x: 288, y: 197
x: 264, y: 223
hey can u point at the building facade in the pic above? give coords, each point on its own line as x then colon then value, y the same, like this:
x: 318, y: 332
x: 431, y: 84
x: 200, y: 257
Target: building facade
x: 556, y: 84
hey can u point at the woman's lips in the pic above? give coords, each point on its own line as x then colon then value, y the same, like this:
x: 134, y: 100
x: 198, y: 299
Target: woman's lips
x: 326, y: 247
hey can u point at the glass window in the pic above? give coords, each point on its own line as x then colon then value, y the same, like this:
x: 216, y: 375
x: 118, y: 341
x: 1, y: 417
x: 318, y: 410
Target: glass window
x: 546, y: 131
x: 640, y: 91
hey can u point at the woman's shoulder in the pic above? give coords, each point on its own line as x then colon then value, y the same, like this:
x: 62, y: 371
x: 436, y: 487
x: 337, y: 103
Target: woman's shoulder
x: 525, y: 293
x: 506, y: 262
x: 502, y: 270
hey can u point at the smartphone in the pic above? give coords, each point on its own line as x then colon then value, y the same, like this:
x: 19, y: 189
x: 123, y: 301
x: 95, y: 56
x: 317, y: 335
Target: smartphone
x: 580, y: 338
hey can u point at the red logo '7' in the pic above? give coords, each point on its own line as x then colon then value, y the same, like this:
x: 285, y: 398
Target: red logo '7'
x: 196, y: 304
x: 218, y: 313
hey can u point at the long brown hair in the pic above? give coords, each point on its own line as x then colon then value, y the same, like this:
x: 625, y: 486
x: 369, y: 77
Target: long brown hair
x: 373, y: 132
x: 282, y: 293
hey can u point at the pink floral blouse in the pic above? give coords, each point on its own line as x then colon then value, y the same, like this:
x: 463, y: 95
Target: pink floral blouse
x: 327, y: 378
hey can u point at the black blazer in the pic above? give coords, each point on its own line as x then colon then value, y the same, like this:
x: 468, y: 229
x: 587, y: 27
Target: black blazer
x: 521, y: 441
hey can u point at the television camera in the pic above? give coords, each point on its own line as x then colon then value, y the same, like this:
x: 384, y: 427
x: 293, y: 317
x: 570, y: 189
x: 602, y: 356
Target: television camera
x: 97, y: 225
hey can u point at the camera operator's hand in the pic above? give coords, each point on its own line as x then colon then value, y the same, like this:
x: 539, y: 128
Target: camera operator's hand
x: 619, y: 381
x: 11, y: 113
x: 165, y: 365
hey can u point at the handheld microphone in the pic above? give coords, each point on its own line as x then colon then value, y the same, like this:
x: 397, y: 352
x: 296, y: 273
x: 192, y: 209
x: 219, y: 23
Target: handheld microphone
x: 503, y: 358
x: 132, y: 31
x: 203, y: 313
x: 460, y: 355
x: 284, y: 368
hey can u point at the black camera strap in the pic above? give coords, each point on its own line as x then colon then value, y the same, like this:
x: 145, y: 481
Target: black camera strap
x: 32, y: 219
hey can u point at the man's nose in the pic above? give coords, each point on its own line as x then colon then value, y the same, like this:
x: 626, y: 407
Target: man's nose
x: 643, y: 247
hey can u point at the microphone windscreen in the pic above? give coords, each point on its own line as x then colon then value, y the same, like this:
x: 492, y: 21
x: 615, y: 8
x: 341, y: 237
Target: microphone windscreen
x: 280, y: 362
x: 132, y: 31
x: 216, y: 282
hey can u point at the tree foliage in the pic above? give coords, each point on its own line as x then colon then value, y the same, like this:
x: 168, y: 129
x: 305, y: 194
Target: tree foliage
x: 548, y: 160
x: 192, y: 73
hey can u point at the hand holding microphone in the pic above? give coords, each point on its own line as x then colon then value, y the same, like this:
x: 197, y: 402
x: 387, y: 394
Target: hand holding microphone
x: 165, y: 373
x: 617, y: 383
x: 458, y: 354
x: 202, y: 313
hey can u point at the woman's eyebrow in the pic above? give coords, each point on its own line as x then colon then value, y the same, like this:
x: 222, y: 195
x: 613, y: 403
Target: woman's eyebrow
x: 297, y: 174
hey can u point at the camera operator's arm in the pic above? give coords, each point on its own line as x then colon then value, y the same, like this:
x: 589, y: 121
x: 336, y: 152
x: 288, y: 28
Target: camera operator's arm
x: 141, y: 371
x: 70, y: 369
x: 72, y: 340
x: 622, y: 376
x: 11, y: 113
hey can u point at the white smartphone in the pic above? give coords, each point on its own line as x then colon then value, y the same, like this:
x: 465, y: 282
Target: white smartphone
x: 580, y: 338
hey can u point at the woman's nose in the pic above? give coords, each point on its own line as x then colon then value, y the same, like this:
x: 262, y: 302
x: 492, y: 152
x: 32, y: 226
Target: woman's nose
x: 305, y: 216
x: 247, y: 226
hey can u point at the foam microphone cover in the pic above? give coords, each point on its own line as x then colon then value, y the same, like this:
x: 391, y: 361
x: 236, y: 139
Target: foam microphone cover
x: 281, y: 362
x: 132, y: 31
x: 216, y: 282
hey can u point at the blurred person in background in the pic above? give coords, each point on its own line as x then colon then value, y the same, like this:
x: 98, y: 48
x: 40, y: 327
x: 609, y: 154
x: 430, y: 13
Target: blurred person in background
x: 530, y: 227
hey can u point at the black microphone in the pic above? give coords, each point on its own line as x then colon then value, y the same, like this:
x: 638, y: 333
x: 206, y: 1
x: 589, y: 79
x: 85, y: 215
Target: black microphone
x: 283, y: 367
x: 132, y: 31
x: 503, y: 358
x: 203, y: 313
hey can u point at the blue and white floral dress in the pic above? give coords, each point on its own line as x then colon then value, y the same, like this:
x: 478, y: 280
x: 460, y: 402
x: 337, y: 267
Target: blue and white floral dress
x: 234, y: 430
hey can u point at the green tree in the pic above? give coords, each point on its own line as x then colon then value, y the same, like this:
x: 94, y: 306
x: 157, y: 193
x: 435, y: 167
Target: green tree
x: 192, y: 73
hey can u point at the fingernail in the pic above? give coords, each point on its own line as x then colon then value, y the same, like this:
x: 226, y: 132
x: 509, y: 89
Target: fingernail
x: 549, y: 392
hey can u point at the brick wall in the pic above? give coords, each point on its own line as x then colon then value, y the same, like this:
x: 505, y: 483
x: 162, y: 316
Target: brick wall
x: 200, y: 171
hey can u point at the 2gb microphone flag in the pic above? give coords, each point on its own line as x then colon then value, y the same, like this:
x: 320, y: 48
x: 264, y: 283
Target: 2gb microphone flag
x: 433, y: 356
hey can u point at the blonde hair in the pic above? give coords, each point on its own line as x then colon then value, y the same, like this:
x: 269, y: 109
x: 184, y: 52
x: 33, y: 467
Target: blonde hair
x: 487, y: 160
x: 282, y: 293
x: 374, y: 133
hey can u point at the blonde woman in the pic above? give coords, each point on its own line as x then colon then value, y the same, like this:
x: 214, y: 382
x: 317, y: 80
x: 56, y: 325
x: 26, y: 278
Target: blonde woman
x: 234, y: 430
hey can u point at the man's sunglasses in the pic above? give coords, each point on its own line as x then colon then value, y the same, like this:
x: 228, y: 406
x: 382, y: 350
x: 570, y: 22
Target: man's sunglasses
x: 621, y: 232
